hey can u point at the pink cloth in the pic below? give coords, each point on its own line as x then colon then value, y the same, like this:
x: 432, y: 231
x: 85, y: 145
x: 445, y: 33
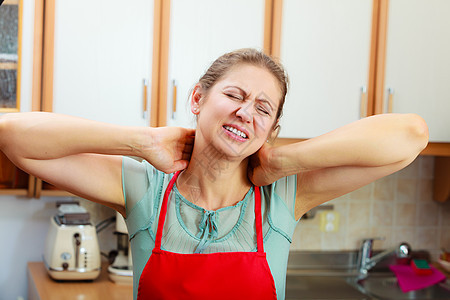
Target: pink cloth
x: 410, y: 281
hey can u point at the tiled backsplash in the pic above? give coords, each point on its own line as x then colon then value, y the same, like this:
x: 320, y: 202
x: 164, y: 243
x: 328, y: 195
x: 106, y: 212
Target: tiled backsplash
x: 397, y: 208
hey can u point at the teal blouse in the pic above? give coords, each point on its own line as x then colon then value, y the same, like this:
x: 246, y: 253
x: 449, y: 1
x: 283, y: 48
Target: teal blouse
x: 191, y: 229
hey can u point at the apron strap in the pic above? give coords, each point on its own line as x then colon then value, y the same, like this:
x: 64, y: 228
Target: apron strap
x: 163, y: 212
x: 258, y: 220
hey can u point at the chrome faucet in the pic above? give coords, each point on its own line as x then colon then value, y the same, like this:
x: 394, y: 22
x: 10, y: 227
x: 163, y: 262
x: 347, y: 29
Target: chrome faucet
x: 367, y: 262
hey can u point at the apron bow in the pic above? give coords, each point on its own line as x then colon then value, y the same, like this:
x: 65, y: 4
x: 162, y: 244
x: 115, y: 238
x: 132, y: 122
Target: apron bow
x: 208, y: 230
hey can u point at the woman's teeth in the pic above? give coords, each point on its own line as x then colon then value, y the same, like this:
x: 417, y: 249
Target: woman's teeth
x: 235, y: 131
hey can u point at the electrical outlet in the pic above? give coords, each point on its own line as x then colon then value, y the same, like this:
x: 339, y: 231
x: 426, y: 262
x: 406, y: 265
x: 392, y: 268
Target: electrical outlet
x: 329, y: 221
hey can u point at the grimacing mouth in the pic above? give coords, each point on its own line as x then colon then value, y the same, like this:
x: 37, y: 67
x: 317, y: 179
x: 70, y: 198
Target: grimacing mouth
x: 237, y: 131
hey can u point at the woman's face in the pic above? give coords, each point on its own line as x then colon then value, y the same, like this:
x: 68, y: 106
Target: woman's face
x: 238, y: 114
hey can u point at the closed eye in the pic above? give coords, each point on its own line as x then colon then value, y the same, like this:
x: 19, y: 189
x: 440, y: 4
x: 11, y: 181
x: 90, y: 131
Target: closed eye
x: 262, y: 110
x: 237, y: 97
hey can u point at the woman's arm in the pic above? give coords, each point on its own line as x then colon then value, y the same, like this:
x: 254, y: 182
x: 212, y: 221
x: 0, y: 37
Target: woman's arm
x: 350, y: 157
x: 83, y: 156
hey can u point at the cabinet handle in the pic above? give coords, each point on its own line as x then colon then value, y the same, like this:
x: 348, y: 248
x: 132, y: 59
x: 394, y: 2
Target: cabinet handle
x: 144, y: 98
x: 390, y: 99
x: 363, y: 104
x: 174, y: 98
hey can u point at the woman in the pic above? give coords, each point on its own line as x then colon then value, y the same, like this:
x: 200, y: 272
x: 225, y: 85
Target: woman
x: 220, y: 228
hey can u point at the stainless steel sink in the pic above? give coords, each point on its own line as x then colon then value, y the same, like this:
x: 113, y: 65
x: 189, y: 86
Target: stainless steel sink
x: 381, y: 287
x: 333, y: 275
x: 321, y: 287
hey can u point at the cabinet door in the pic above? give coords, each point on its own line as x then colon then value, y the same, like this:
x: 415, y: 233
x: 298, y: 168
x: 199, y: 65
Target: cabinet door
x: 16, y: 68
x: 201, y: 31
x: 417, y: 71
x: 16, y: 55
x: 102, y: 56
x: 325, y: 48
x: 9, y: 54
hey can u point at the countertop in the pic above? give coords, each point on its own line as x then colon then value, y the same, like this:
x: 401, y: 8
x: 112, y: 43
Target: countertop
x: 42, y: 287
x: 440, y: 268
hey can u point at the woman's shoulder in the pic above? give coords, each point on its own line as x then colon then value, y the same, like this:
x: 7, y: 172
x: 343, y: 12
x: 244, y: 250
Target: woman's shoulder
x: 141, y: 182
x: 284, y: 188
x: 280, y: 197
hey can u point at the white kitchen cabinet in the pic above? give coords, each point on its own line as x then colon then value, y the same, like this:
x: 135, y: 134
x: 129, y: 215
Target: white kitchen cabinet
x: 325, y: 48
x: 417, y: 71
x: 201, y: 31
x: 102, y: 57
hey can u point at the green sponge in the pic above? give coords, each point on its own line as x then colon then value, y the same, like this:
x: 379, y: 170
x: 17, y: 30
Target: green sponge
x: 421, y: 267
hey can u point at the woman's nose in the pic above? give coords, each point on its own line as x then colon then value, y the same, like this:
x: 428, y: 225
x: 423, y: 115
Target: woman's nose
x: 245, y: 113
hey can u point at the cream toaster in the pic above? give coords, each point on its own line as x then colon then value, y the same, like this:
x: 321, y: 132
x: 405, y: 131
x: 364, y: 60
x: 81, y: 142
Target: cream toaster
x: 72, y: 251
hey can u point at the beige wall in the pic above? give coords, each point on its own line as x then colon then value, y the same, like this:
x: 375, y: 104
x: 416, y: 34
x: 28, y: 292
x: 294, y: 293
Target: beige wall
x: 398, y: 207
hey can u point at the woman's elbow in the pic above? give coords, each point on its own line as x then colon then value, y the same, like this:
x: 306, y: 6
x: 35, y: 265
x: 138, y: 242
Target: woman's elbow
x: 418, y: 130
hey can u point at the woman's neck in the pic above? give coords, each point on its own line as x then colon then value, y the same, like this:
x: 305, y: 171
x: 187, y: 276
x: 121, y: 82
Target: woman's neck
x: 212, y: 180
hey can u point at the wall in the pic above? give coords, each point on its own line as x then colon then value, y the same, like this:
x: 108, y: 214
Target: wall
x: 398, y: 208
x: 23, y: 227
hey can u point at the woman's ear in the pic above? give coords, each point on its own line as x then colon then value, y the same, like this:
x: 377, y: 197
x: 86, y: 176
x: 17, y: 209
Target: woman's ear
x: 195, y: 99
x: 275, y: 131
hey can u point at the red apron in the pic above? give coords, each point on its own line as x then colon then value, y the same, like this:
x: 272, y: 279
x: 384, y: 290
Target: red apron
x: 224, y: 275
